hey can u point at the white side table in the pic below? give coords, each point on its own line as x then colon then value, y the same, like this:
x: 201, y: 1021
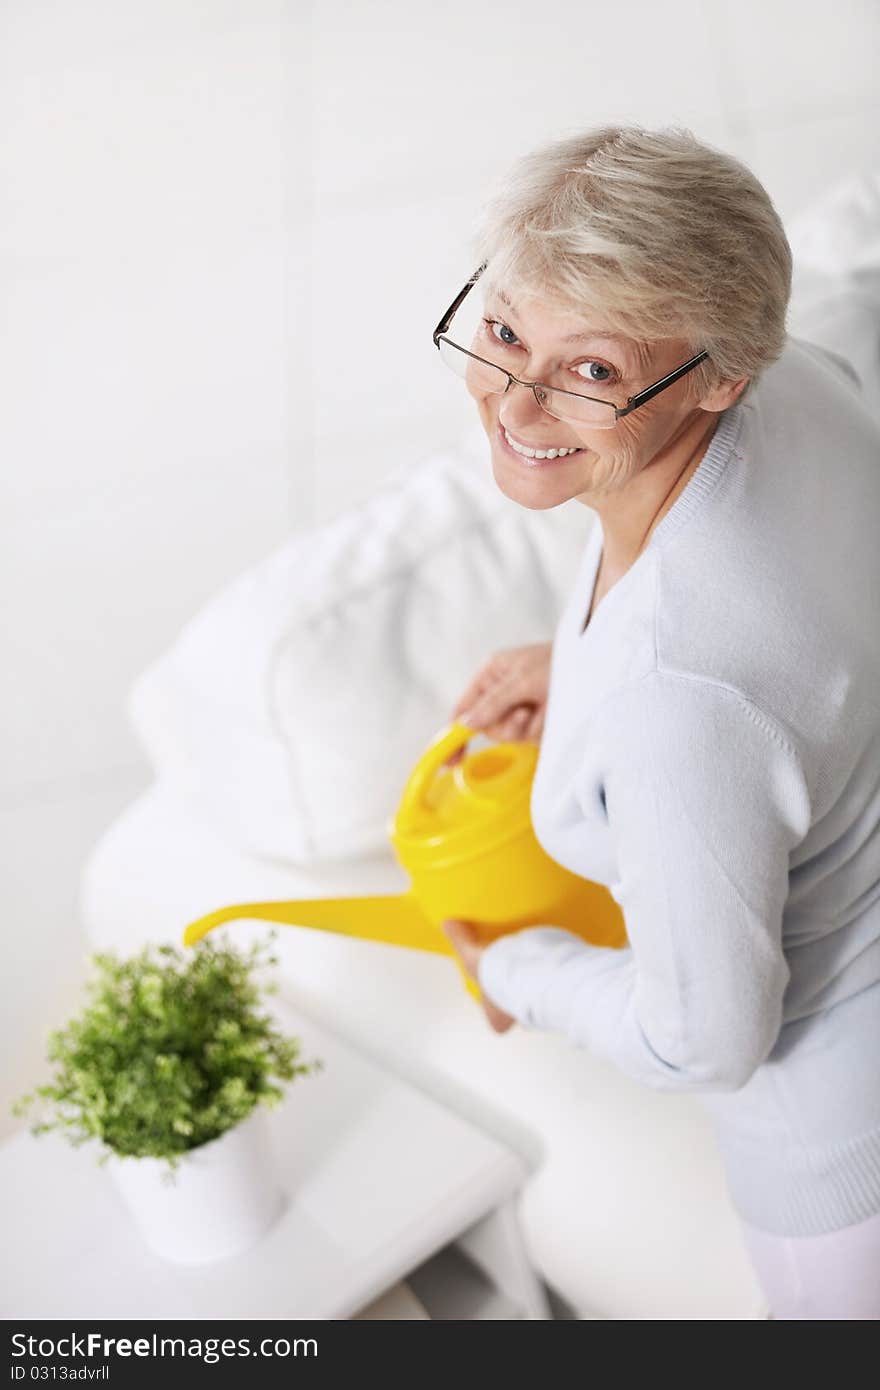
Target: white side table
x: 379, y: 1177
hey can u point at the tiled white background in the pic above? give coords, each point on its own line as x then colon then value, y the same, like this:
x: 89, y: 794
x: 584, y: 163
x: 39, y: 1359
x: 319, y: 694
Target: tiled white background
x: 226, y: 232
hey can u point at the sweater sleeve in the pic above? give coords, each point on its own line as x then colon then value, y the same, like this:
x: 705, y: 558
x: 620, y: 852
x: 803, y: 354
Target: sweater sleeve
x: 705, y: 798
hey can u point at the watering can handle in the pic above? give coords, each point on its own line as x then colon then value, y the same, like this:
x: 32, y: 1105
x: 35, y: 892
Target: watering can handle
x: 446, y: 743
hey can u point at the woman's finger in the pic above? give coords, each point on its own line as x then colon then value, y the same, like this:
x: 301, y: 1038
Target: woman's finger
x: 535, y: 726
x: 464, y: 941
x: 483, y: 682
x: 494, y: 705
x: 498, y: 1019
x: 498, y: 673
x: 454, y: 758
x: 520, y: 720
x: 511, y: 725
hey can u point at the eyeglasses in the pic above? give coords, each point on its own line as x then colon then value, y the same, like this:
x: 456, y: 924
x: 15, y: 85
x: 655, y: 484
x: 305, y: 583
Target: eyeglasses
x: 571, y: 406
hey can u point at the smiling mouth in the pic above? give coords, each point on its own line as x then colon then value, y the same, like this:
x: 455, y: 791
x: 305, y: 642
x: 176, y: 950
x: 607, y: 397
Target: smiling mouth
x: 535, y: 455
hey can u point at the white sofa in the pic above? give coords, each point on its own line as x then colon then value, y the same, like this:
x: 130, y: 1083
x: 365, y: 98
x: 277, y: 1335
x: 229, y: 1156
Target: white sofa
x: 281, y: 725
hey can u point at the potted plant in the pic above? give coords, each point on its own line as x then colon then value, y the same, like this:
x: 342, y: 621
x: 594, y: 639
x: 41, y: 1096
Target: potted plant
x: 171, y: 1068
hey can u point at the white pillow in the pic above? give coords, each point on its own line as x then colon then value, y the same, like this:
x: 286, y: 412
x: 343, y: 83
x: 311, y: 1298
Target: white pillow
x: 290, y: 709
x: 835, y: 296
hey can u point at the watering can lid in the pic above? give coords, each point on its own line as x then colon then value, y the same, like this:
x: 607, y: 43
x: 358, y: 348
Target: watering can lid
x: 467, y: 810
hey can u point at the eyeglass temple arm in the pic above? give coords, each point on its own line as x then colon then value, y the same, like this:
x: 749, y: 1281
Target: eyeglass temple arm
x: 642, y: 396
x: 450, y: 312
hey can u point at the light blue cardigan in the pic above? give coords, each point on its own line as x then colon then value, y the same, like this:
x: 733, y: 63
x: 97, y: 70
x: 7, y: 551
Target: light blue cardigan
x: 711, y: 751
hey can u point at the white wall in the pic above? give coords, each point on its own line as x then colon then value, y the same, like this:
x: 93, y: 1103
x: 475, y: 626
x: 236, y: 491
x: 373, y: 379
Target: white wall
x: 227, y: 230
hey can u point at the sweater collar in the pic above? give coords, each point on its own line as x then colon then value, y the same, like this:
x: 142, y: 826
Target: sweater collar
x: 706, y: 476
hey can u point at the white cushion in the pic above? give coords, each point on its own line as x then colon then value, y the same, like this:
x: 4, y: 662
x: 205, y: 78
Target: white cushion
x: 835, y: 297
x: 290, y: 709
x: 839, y: 233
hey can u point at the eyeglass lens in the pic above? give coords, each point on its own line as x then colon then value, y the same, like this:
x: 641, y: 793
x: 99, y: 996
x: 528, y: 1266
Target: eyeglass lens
x: 488, y: 337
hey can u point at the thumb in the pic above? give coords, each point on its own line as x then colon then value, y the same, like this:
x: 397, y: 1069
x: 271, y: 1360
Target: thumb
x: 458, y: 930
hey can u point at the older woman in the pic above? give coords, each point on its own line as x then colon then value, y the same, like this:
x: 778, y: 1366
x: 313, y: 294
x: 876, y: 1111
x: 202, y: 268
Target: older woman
x: 711, y: 740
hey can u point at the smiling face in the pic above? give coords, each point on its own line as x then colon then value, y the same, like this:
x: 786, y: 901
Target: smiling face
x: 538, y: 341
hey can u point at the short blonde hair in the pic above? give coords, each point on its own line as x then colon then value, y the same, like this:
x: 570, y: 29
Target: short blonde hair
x: 656, y: 234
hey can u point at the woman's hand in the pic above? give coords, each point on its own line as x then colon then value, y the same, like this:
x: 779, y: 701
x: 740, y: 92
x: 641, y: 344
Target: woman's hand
x: 469, y: 948
x: 507, y: 697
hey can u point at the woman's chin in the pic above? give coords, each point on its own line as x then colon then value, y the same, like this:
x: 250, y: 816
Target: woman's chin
x: 535, y: 493
x: 533, y: 485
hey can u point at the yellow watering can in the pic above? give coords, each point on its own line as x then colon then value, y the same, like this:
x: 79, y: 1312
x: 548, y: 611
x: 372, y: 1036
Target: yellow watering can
x: 464, y: 835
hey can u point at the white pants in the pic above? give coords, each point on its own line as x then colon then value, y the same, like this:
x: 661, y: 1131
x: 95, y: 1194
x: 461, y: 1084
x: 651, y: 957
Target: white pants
x: 828, y: 1278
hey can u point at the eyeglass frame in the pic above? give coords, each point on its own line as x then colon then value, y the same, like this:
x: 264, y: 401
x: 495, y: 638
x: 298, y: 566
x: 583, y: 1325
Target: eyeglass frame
x: 632, y: 402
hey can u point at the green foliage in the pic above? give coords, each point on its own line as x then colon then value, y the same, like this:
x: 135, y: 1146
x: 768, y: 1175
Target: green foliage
x: 170, y: 1053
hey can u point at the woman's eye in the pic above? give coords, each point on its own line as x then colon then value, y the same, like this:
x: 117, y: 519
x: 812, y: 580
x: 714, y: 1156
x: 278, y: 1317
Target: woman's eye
x: 599, y: 372
x: 504, y: 335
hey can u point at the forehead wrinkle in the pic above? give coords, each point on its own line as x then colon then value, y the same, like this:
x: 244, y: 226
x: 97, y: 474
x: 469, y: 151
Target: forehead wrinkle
x: 638, y: 350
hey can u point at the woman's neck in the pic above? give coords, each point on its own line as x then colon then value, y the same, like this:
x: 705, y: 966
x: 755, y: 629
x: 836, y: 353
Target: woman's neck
x: 630, y: 515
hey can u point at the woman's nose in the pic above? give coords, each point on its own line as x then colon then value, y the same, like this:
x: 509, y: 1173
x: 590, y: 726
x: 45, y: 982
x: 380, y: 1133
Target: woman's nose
x: 519, y: 409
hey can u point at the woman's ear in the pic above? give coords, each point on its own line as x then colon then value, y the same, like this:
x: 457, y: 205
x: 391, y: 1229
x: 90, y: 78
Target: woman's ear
x: 723, y: 395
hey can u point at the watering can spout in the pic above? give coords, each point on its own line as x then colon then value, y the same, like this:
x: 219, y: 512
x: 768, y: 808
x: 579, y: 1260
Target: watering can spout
x: 396, y: 919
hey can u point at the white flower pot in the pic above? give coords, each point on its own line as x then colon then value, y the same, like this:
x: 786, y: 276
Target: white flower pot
x: 224, y: 1196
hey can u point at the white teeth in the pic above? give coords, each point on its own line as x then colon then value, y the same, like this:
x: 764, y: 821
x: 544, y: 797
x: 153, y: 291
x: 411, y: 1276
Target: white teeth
x: 538, y: 453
